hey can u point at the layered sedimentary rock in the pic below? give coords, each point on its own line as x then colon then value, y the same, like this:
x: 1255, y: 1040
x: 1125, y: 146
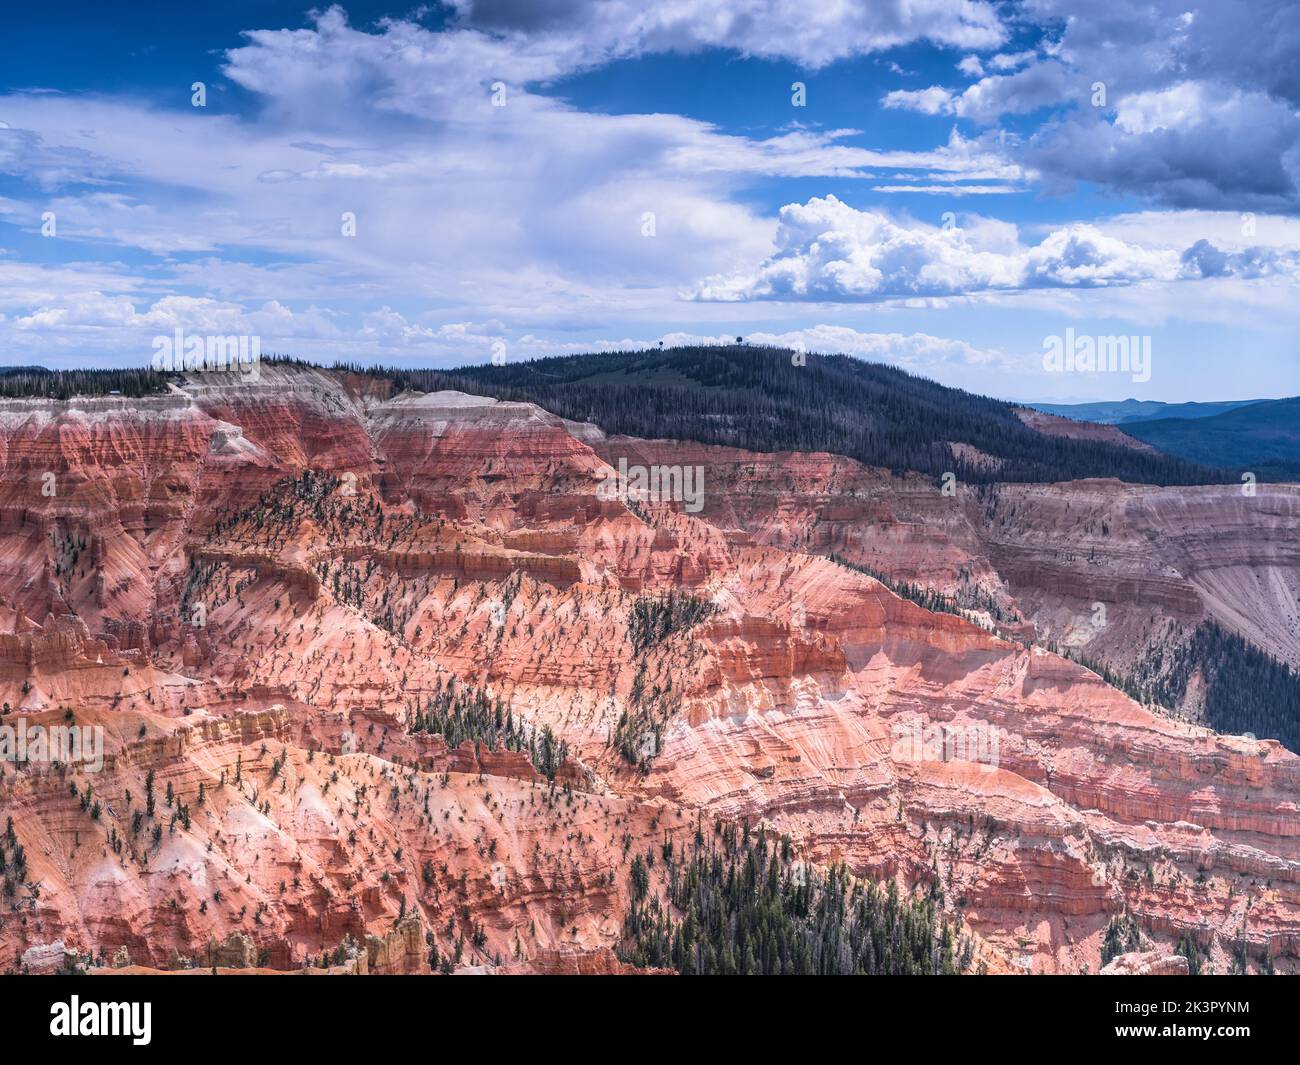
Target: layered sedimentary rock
x: 1049, y: 554
x: 256, y: 590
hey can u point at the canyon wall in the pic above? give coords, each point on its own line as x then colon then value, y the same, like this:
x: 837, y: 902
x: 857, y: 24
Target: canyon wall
x: 256, y: 589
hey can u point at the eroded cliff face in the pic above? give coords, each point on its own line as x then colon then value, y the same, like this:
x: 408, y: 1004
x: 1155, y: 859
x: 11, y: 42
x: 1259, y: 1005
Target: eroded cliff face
x: 1156, y: 559
x: 300, y: 849
x: 256, y: 589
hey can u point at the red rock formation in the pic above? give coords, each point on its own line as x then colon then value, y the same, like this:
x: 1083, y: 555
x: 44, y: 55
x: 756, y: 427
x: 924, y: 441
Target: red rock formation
x: 465, y: 539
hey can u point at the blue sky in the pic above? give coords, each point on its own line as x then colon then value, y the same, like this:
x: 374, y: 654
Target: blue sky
x: 956, y: 183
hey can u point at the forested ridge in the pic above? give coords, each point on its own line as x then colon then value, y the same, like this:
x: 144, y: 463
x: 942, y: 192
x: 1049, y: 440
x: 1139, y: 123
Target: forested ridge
x: 744, y: 396
x: 39, y: 382
x: 758, y: 398
x: 1246, y: 690
x: 32, y: 382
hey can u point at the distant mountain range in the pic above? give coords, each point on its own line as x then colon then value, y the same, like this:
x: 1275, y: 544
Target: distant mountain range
x: 1260, y: 436
x: 1263, y: 438
x: 1139, y: 410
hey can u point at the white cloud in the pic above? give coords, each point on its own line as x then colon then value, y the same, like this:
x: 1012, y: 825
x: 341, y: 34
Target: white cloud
x: 1006, y: 61
x: 1041, y: 85
x: 950, y: 190
x: 827, y: 250
x: 919, y: 352
x: 1175, y: 107
x: 1234, y: 230
x: 1189, y: 145
x: 810, y: 34
x: 804, y: 153
x: 935, y: 100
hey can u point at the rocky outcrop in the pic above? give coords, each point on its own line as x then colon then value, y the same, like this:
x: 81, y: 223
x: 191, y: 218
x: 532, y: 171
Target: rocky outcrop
x: 1146, y: 963
x: 46, y: 959
x: 236, y: 951
x: 401, y: 951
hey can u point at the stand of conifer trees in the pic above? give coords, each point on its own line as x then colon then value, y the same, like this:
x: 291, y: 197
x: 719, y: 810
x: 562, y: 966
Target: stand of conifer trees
x: 739, y: 903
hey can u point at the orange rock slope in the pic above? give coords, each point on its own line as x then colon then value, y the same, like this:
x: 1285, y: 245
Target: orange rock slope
x: 256, y: 588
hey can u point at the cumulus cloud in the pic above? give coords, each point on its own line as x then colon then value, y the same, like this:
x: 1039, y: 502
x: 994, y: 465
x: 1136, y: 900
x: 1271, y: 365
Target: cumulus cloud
x: 1201, y: 106
x: 1038, y: 86
x: 935, y: 100
x: 88, y: 325
x: 827, y: 250
x: 1205, y: 259
x: 1188, y: 146
x: 1005, y: 61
